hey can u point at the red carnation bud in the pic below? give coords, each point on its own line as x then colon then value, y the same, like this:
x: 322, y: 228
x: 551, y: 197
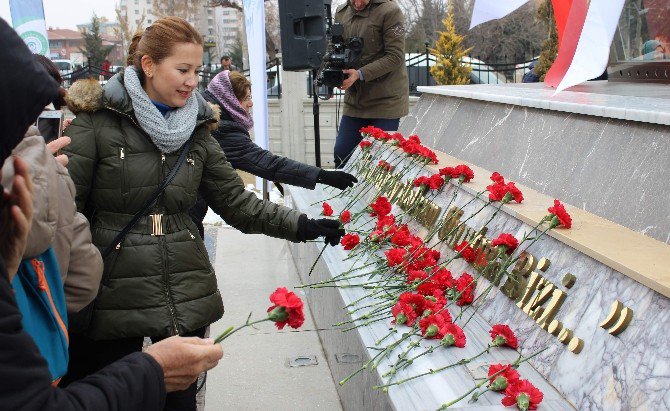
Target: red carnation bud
x: 327, y: 209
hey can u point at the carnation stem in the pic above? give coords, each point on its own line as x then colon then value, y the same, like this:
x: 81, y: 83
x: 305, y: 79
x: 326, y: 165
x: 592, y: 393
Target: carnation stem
x: 230, y: 331
x: 317, y: 260
x: 461, y: 362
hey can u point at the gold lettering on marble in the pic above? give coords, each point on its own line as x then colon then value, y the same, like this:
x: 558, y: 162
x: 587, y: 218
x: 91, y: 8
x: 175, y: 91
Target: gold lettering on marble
x: 525, y: 265
x: 565, y: 335
x: 555, y: 304
x: 395, y: 191
x: 576, y: 345
x: 555, y: 327
x: 569, y: 280
x: 618, y: 318
x: 543, y: 264
x: 533, y: 285
x: 450, y: 220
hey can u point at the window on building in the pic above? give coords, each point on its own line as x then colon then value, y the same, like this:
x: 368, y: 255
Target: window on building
x: 137, y: 2
x: 226, y: 12
x: 149, y: 21
x: 137, y: 11
x: 137, y: 21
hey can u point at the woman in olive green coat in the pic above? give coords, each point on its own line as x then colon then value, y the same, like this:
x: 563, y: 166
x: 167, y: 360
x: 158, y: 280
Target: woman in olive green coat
x: 125, y: 140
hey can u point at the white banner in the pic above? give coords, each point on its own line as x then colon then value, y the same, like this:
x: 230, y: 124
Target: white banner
x: 593, y: 48
x: 487, y: 10
x: 254, y: 20
x: 28, y: 21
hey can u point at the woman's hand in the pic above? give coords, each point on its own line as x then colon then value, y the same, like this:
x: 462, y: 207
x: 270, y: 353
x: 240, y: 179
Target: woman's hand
x: 56, y: 146
x: 16, y: 216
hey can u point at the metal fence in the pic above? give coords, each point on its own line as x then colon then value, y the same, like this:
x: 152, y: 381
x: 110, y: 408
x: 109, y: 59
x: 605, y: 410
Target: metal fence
x: 418, y: 73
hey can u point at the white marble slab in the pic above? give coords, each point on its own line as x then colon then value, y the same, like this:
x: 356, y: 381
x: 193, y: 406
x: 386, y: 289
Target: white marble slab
x: 623, y: 372
x: 648, y: 103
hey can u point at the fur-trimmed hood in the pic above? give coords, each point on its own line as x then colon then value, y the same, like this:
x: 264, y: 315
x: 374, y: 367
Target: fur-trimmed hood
x: 87, y: 95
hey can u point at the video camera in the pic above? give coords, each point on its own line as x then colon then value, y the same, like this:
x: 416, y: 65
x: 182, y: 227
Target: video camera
x: 341, y: 54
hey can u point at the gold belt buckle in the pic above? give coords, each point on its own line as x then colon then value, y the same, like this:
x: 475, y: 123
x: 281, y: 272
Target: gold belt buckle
x: 156, y: 224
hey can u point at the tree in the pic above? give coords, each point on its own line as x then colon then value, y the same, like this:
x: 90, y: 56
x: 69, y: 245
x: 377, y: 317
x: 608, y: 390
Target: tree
x: 186, y: 9
x: 272, y: 42
x: 545, y: 13
x: 423, y: 19
x: 449, y: 51
x: 125, y: 31
x: 93, y: 47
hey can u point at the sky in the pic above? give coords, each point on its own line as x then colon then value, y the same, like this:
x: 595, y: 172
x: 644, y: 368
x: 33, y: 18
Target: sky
x: 66, y: 14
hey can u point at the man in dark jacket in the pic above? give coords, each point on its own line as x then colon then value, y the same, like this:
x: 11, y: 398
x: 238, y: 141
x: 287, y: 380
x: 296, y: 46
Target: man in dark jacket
x: 377, y: 88
x: 136, y: 382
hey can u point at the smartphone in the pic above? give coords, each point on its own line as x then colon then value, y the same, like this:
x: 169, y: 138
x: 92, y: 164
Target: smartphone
x: 50, y: 125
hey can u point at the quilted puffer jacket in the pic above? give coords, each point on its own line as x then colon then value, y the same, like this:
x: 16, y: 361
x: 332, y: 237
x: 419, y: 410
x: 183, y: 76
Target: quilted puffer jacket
x: 159, y: 282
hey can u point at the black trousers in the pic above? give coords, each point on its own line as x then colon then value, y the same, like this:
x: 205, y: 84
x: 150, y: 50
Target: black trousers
x: 88, y: 356
x: 348, y: 135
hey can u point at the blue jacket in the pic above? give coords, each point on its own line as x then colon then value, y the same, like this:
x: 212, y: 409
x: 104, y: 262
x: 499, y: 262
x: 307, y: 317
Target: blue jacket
x: 41, y: 300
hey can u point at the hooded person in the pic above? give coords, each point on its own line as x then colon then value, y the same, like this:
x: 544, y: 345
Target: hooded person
x: 230, y: 92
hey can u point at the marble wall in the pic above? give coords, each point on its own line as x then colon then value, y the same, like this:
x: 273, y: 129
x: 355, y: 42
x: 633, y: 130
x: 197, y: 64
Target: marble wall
x: 617, y: 169
x: 623, y: 372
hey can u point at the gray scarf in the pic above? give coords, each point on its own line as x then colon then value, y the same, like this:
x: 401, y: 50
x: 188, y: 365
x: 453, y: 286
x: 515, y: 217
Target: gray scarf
x: 168, y: 133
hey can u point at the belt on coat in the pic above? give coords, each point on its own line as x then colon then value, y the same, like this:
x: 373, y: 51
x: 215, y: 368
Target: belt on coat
x: 155, y: 224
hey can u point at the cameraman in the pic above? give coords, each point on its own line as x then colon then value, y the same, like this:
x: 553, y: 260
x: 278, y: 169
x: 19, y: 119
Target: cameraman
x: 377, y: 88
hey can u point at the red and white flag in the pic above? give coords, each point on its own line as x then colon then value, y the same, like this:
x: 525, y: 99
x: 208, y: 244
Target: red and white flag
x: 585, y: 47
x: 487, y: 10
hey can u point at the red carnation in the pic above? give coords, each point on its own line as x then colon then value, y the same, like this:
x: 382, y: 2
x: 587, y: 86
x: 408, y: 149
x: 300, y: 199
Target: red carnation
x: 465, y: 286
x: 452, y: 335
x: 350, y: 241
x: 380, y: 207
x: 431, y: 326
x: 421, y: 181
x: 500, y: 376
x: 515, y: 192
x: 523, y: 394
x: 503, y: 335
x: 345, y: 217
x: 395, y: 256
x: 466, y: 251
x: 435, y: 182
x: 384, y: 165
x: 287, y: 309
x: 401, y: 237
x: 559, y: 216
x: 447, y: 172
x: 414, y: 275
x: 463, y: 172
x: 365, y: 144
x: 443, y: 279
x: 497, y: 191
x: 327, y: 209
x: 403, y: 314
x: 497, y: 178
x: 507, y: 241
x: 385, y: 221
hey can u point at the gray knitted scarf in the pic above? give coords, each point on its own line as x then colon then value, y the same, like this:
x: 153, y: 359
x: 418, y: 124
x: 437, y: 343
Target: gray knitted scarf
x: 168, y: 133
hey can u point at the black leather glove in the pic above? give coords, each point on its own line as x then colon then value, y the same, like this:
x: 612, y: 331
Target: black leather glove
x: 337, y: 179
x: 310, y: 229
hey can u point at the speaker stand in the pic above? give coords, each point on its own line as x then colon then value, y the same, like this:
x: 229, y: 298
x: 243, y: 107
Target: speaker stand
x: 315, y: 113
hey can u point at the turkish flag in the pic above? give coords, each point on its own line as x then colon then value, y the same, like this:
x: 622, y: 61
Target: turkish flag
x: 569, y: 26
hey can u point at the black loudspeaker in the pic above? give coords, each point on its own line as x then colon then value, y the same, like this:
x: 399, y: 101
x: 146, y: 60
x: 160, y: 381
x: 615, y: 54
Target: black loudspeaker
x: 303, y: 33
